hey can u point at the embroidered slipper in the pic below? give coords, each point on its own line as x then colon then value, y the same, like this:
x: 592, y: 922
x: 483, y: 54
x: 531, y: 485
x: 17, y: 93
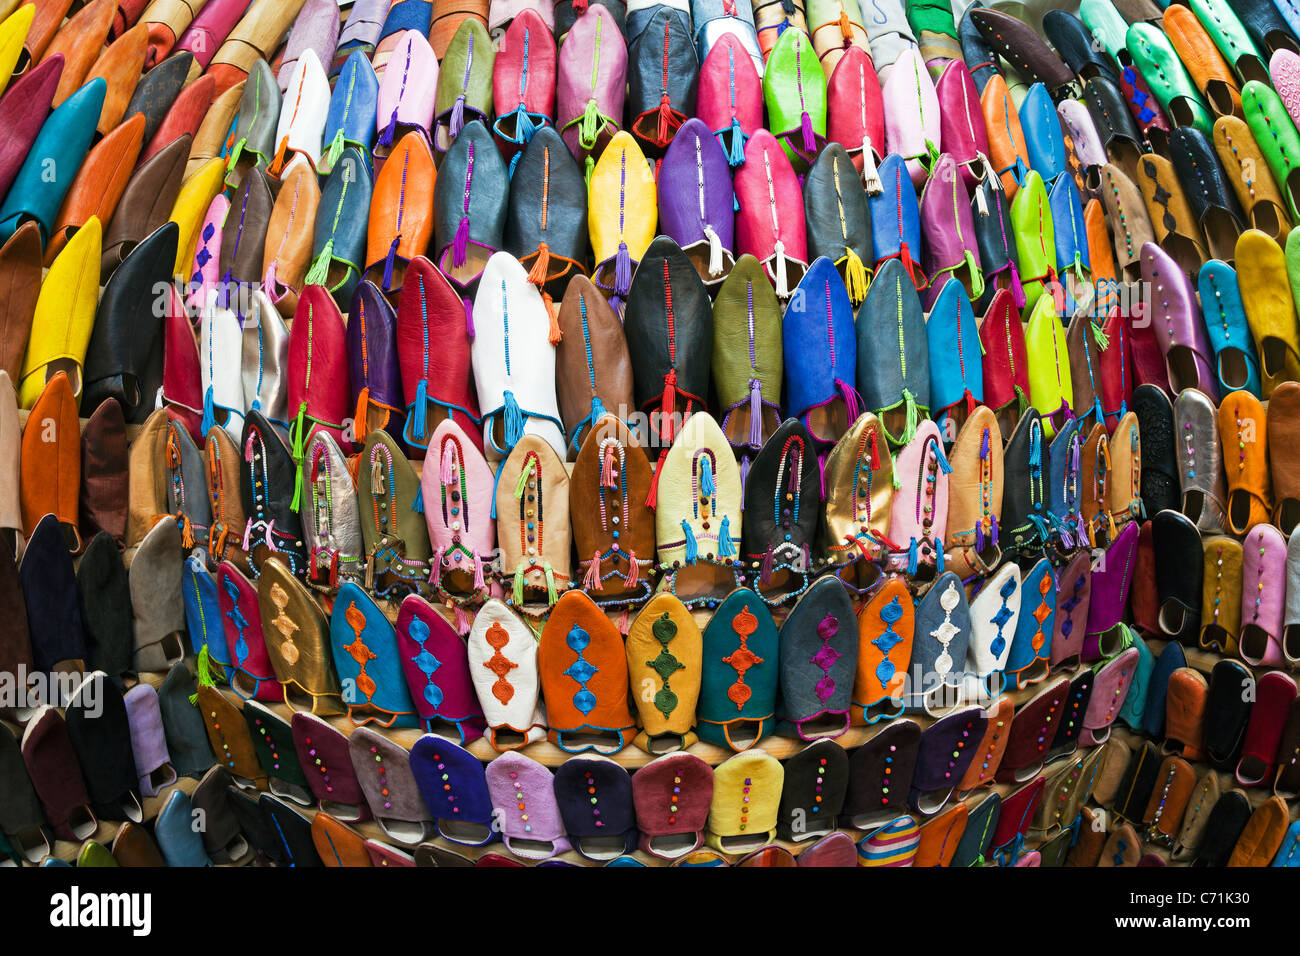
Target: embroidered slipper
x: 436, y: 668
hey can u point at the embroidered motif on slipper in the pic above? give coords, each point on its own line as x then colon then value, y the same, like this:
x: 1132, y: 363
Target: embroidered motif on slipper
x: 1002, y: 617
x: 665, y: 664
x: 499, y: 664
x: 887, y: 641
x: 237, y: 618
x: 581, y: 670
x: 284, y: 624
x: 425, y: 661
x: 946, y: 631
x: 742, y: 658
x: 826, y: 657
x: 1042, y: 612
x: 362, y: 654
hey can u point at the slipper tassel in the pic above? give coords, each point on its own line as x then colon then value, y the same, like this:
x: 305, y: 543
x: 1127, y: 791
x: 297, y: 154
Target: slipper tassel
x: 976, y: 275
x: 418, y: 504
x: 782, y: 281
x: 736, y: 149
x: 692, y: 546
x: 715, y: 251
x: 855, y: 274
x: 463, y: 622
x: 870, y: 175
x: 362, y: 414
x: 633, y: 575
x: 479, y: 583
x: 209, y: 411
x: 420, y: 410
x: 852, y: 400
x: 666, y: 118
x: 846, y: 28
x: 236, y: 153
x: 514, y: 419
x: 707, y: 486
x: 447, y: 467
x: 320, y: 266
x: 589, y: 125
x: 806, y: 128
x: 389, y: 261
x: 553, y: 335
x: 469, y: 317
x: 1017, y: 290
x: 335, y: 150
x: 591, y: 580
x: 667, y: 406
x: 541, y: 265
x: 622, y: 271
x: 519, y: 584
x: 765, y: 575
x: 552, y: 595
x: 652, y: 496
x: 524, y: 125
x: 726, y: 548
x: 460, y: 245
x: 607, y: 479
x: 457, y: 122
x: 386, y: 137
x: 755, y: 414
x: 299, y: 444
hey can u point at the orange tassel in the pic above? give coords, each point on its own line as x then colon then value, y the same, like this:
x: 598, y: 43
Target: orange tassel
x: 359, y: 422
x: 846, y: 28
x: 555, y: 335
x: 541, y: 265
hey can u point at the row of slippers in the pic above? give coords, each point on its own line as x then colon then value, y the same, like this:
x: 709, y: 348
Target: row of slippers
x: 677, y: 802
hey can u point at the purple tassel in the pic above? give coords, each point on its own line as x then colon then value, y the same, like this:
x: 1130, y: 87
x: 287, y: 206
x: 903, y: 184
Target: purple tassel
x: 765, y: 575
x: 993, y: 522
x: 460, y: 245
x: 388, y: 264
x: 744, y: 477
x: 807, y: 556
x: 622, y: 271
x: 1017, y: 290
x: 809, y: 140
x: 984, y: 446
x: 469, y: 317
x: 386, y: 137
x: 979, y: 536
x: 755, y: 413
x: 457, y: 116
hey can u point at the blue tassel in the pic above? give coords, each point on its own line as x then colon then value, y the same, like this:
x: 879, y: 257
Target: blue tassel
x: 692, y: 546
x: 943, y: 460
x: 514, y: 420
x: 418, y: 503
x: 209, y: 411
x: 938, y: 555
x: 420, y: 410
x: 725, y: 548
x: 912, y: 556
x: 388, y: 263
x: 524, y: 126
x: 706, y: 478
x: 735, y: 202
x: 736, y: 152
x: 386, y: 137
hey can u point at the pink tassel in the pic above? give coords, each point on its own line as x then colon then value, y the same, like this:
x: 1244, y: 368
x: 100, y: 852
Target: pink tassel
x: 852, y: 401
x: 633, y: 570
x: 607, y: 479
x: 460, y: 245
x: 622, y: 271
x: 624, y: 620
x: 462, y: 621
x: 479, y: 583
x: 755, y: 413
x: 591, y: 580
x: 435, y: 567
x: 248, y: 530
x: 270, y: 538
x: 809, y: 140
x: 447, y: 472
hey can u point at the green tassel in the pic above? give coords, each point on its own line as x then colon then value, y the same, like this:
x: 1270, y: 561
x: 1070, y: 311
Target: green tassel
x: 519, y: 584
x: 551, y: 594
x: 522, y: 483
x: 299, y: 453
x: 236, y: 153
x: 335, y: 150
x: 203, y: 674
x: 320, y: 267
